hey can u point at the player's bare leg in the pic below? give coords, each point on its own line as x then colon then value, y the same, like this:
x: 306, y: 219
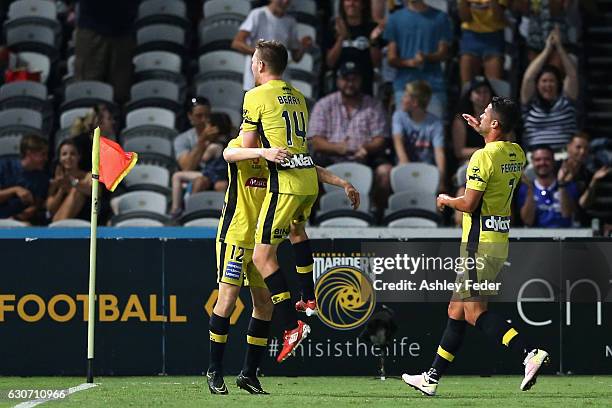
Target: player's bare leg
x: 257, y: 341
x: 266, y: 262
x: 219, y: 327
x: 304, y: 264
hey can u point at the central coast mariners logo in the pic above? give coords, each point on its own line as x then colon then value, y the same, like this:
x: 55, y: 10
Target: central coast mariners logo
x: 345, y: 297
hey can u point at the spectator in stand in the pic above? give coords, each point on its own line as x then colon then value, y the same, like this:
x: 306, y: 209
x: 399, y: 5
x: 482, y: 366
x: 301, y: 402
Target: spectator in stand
x: 542, y: 18
x: 419, y: 38
x: 586, y: 181
x: 82, y: 131
x: 482, y: 38
x: 551, y: 199
x: 212, y: 168
x: 104, y: 43
x: 473, y: 101
x: 349, y: 125
x: 23, y: 181
x: 354, y: 36
x: 418, y: 136
x: 189, y: 146
x: 269, y: 22
x: 549, y: 113
x: 70, y: 189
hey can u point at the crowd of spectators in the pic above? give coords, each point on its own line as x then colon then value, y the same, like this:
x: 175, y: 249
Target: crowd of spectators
x: 438, y: 65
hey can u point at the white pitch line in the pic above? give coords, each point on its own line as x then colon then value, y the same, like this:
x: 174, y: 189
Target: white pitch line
x: 71, y: 390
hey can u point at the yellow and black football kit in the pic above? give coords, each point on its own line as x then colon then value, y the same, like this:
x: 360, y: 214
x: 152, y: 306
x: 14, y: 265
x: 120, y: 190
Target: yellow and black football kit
x: 278, y: 113
x: 236, y: 232
x: 496, y: 171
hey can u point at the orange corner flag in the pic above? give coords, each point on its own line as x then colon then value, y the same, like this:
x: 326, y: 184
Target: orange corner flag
x: 115, y: 163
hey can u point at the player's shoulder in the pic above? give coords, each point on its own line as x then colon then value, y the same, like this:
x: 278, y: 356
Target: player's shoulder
x: 235, y: 142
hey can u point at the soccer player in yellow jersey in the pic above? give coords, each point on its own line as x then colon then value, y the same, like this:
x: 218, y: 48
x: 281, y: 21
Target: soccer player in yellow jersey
x: 248, y: 173
x: 493, y: 174
x: 276, y: 114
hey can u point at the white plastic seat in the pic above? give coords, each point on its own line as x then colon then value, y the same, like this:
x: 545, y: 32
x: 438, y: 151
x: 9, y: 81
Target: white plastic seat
x: 37, y: 63
x: 148, y: 174
x: 222, y: 93
x: 357, y: 174
x: 140, y: 201
x: 415, y: 176
x: 11, y: 223
x: 203, y: 222
x: 337, y: 200
x: 413, y: 222
x: 9, y: 145
x: 157, y: 60
x: 218, y: 8
x: 218, y: 34
x: 151, y: 117
x: 88, y: 92
x: 221, y: 64
x: 205, y: 200
x: 344, y: 222
x: 149, y: 144
x: 68, y: 117
x: 21, y: 117
x: 70, y: 223
x: 412, y: 200
x: 139, y: 222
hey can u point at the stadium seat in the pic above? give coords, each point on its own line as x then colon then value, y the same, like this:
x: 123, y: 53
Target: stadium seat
x: 303, y: 70
x: 441, y: 5
x: 234, y: 114
x: 306, y: 30
x: 304, y: 11
x: 357, y: 174
x: 344, y: 222
x: 140, y: 221
x: 412, y: 222
x: 155, y: 93
x: 500, y: 87
x: 162, y: 12
x: 85, y: 94
x: 203, y: 222
x: 161, y: 37
x: 35, y: 12
x: 70, y: 223
x: 37, y: 63
x: 304, y: 87
x: 9, y: 145
x: 148, y: 177
x: 150, y: 122
x: 337, y: 200
x: 460, y: 175
x: 217, y: 34
x: 32, y: 38
x: 238, y: 9
x: 20, y: 122
x: 221, y: 65
x: 159, y: 65
x: 222, y: 93
x: 11, y: 223
x: 412, y: 206
x: 139, y: 204
x: 206, y: 204
x: 27, y: 95
x: 69, y: 76
x: 415, y: 176
x: 149, y: 144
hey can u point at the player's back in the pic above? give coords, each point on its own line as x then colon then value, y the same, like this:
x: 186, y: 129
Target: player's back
x: 496, y: 171
x: 243, y: 200
x: 279, y: 113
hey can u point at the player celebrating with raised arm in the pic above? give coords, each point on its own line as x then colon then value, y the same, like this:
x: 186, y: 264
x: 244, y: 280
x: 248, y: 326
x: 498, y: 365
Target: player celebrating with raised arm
x: 492, y: 176
x: 276, y: 113
x: 235, y: 241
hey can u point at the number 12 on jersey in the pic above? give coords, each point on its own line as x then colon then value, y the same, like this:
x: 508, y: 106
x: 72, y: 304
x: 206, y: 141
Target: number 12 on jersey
x: 299, y: 132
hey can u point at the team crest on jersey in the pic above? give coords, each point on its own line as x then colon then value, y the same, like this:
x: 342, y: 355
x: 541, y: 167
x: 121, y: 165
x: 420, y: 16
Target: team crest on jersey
x: 297, y: 161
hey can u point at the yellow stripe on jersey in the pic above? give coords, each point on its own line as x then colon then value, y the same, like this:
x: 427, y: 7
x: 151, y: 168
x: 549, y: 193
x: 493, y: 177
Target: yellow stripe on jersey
x: 496, y: 171
x: 279, y: 114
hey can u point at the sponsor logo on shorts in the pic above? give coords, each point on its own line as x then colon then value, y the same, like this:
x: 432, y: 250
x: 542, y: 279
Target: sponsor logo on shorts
x: 256, y: 182
x: 297, y: 161
x: 233, y: 270
x: 281, y: 232
x: 496, y: 223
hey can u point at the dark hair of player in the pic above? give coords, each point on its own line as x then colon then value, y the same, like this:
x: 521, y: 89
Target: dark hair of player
x: 507, y: 112
x: 273, y: 54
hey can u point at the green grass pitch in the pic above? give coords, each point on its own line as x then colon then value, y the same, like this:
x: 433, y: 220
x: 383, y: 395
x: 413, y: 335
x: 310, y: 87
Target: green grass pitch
x: 454, y: 391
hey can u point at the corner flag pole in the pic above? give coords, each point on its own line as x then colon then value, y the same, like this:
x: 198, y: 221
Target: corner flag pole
x: 95, y: 160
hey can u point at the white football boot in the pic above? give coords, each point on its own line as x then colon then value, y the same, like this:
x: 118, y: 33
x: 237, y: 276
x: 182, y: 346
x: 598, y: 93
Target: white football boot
x: 421, y: 382
x: 532, y: 363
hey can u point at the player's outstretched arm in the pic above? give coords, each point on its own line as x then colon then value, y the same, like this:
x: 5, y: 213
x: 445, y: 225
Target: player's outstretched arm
x: 327, y: 177
x: 465, y: 203
x: 273, y: 154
